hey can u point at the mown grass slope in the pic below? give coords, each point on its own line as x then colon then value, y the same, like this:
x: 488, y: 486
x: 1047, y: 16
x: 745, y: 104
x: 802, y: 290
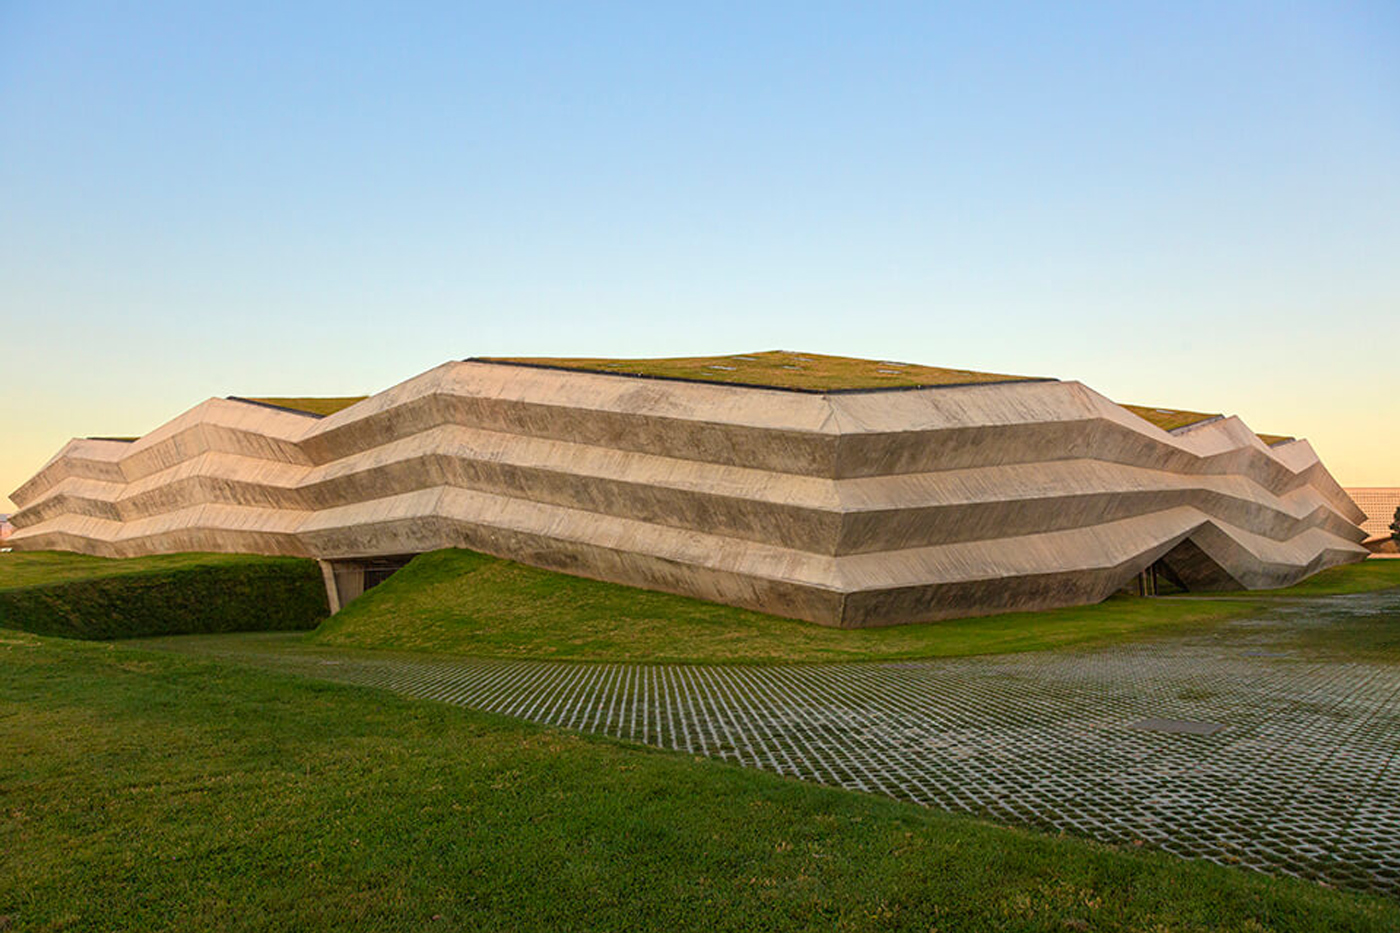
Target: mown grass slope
x: 76, y: 596
x: 39, y: 568
x: 461, y: 602
x: 1363, y: 577
x: 150, y: 792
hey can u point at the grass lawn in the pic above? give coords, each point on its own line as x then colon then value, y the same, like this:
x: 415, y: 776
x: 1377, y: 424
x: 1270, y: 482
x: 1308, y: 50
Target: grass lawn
x: 40, y: 568
x: 461, y: 602
x: 144, y: 791
x: 72, y: 595
x: 1364, y: 577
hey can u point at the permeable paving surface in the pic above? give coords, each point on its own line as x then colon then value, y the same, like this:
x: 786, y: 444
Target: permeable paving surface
x: 1254, y: 745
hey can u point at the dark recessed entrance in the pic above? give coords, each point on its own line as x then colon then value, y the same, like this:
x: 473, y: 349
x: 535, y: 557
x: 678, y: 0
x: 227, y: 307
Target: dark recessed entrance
x: 1186, y: 568
x: 349, y: 578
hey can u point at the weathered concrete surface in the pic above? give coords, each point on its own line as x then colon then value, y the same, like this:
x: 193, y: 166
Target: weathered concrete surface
x: 867, y: 508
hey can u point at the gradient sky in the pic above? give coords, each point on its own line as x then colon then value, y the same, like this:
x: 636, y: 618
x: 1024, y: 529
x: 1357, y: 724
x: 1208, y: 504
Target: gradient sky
x: 1181, y: 204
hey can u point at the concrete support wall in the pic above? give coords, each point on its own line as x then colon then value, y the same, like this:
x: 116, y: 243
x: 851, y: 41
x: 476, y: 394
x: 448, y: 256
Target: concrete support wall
x: 870, y: 508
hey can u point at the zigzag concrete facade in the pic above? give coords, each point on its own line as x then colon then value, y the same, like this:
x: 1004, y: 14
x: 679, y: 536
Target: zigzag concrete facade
x: 852, y: 508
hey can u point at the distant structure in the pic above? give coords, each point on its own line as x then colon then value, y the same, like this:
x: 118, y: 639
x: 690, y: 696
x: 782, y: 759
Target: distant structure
x: 1379, y: 503
x: 6, y: 529
x: 845, y: 492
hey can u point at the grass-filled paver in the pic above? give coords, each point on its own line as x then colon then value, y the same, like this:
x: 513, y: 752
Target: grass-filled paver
x: 145, y: 791
x: 1290, y: 774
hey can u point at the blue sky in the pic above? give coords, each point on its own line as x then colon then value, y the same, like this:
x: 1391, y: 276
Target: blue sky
x: 1195, y: 205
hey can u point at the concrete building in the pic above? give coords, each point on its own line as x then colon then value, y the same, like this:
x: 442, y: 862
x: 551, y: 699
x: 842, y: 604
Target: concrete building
x: 1380, y: 504
x: 844, y: 492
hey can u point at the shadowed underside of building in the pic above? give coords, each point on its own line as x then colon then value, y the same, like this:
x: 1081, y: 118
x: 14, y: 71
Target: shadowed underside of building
x: 850, y: 504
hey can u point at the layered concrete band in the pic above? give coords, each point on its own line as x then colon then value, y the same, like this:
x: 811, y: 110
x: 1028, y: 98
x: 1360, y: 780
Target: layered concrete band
x: 843, y: 492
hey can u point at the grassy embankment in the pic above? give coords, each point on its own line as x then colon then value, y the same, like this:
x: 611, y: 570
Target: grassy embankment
x: 460, y: 602
x: 144, y: 791
x: 76, y: 596
x: 1364, y: 577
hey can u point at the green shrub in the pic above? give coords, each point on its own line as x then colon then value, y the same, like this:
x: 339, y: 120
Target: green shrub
x: 258, y: 594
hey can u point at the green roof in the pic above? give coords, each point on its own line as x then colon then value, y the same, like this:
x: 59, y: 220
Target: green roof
x: 1171, y: 419
x: 777, y: 369
x: 310, y: 406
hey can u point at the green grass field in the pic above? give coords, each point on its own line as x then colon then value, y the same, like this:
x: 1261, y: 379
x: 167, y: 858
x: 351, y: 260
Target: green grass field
x: 41, y: 568
x: 76, y: 596
x: 144, y: 791
x: 460, y: 602
x: 1364, y: 577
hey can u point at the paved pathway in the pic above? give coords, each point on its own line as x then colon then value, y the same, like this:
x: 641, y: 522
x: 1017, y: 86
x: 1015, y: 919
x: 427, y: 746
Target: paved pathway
x: 1300, y: 778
